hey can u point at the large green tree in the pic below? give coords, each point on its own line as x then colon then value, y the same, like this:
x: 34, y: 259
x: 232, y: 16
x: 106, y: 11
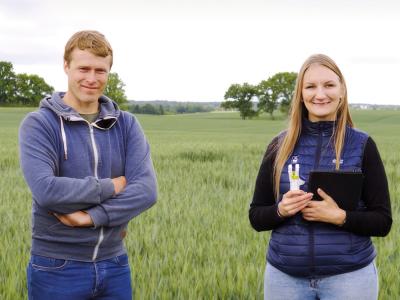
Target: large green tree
x: 240, y: 97
x: 30, y: 89
x: 115, y: 89
x: 7, y: 83
x: 21, y: 89
x: 283, y: 85
x: 277, y: 91
x: 267, y: 100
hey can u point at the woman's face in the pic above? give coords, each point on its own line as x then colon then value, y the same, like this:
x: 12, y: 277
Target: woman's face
x: 321, y: 93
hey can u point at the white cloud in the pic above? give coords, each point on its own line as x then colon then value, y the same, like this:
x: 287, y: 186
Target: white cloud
x: 193, y: 50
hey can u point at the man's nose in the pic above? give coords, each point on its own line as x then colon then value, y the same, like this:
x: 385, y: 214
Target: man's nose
x: 91, y: 77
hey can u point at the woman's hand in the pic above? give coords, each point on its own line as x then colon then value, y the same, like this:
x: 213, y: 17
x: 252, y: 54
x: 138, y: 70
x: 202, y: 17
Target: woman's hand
x: 324, y: 211
x: 293, y: 202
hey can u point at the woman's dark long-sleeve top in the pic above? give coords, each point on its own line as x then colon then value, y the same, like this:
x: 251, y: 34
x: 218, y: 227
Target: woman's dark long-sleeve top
x: 375, y: 221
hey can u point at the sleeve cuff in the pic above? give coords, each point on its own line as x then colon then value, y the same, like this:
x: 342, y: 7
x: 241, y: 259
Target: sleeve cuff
x: 349, y: 220
x: 106, y: 189
x: 98, y: 215
x: 277, y: 216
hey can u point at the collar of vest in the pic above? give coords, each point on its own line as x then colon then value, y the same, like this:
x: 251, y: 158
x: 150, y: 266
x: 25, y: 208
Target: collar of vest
x: 326, y: 128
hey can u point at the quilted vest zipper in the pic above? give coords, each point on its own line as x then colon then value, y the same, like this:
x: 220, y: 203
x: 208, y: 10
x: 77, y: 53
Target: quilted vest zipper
x: 311, y: 228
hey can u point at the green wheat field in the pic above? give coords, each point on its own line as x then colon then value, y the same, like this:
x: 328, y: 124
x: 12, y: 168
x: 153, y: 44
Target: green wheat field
x: 196, y: 242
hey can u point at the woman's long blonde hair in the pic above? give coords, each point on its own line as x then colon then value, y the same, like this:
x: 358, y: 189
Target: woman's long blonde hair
x: 298, y: 110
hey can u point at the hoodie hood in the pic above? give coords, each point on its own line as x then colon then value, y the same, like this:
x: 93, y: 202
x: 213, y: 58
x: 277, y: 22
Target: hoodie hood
x: 108, y: 115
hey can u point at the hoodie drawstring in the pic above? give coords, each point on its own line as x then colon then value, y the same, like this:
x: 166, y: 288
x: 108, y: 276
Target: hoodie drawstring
x: 64, y: 138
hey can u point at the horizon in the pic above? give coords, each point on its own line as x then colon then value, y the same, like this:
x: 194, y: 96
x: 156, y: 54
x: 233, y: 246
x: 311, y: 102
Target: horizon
x: 204, y: 102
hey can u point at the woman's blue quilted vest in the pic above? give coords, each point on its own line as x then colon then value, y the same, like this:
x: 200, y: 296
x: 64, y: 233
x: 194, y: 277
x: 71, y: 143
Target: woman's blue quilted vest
x: 314, y: 249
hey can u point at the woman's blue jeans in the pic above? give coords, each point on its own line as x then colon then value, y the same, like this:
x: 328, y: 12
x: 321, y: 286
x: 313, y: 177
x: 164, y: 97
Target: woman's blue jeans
x: 59, y: 279
x: 359, y: 284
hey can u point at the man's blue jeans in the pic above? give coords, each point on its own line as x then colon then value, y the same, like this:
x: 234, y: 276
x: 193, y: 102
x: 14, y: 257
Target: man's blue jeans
x: 59, y: 279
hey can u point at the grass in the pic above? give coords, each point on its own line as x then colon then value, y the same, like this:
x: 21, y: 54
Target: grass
x: 196, y: 242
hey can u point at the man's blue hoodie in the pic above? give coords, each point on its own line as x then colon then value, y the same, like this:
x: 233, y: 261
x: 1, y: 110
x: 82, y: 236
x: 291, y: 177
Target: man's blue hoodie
x: 68, y: 164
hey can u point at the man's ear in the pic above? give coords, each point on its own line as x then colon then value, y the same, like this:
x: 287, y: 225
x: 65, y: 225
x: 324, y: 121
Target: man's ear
x: 66, y: 67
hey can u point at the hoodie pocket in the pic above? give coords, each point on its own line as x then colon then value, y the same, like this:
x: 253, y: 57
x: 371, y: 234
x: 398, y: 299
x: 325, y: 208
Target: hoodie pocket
x: 67, y: 234
x: 113, y: 236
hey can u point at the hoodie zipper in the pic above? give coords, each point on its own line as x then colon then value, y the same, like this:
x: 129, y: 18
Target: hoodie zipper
x: 96, y: 162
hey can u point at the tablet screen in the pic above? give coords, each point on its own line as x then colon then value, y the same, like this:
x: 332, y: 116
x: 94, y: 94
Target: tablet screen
x: 343, y: 186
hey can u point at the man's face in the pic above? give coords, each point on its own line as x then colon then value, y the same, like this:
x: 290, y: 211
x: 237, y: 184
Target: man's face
x: 87, y: 76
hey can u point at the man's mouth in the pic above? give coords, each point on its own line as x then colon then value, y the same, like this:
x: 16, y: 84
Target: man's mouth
x: 89, y: 87
x: 89, y: 90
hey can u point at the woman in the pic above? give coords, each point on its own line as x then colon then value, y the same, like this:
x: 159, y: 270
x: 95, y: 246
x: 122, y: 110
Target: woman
x: 318, y: 250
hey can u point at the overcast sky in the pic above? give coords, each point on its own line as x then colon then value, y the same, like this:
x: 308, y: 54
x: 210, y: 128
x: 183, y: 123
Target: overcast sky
x: 193, y: 50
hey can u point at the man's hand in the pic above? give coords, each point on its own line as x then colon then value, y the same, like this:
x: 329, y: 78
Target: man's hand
x: 119, y: 184
x: 83, y: 219
x: 75, y: 219
x: 324, y: 211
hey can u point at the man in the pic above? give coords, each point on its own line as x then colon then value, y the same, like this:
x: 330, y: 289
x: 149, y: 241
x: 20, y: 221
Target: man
x: 89, y: 169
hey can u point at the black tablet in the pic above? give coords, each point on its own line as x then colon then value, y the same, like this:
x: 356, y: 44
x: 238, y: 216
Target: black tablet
x: 344, y: 187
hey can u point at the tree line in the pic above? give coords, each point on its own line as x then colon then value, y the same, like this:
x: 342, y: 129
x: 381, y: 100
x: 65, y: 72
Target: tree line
x: 27, y: 90
x: 269, y: 95
x: 168, y: 109
x: 274, y: 93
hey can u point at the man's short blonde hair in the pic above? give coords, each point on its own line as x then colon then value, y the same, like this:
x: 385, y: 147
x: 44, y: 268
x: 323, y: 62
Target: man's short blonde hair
x: 90, y: 40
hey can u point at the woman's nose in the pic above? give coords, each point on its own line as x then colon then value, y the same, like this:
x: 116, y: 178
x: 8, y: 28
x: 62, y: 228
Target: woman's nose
x: 320, y: 92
